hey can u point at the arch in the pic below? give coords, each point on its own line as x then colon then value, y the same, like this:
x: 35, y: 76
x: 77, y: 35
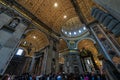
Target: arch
x: 36, y: 40
x: 62, y: 45
x: 87, y: 43
x: 88, y: 39
x: 28, y: 30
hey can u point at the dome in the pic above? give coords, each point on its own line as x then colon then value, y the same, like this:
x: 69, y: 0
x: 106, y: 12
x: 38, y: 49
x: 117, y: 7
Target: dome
x: 76, y: 31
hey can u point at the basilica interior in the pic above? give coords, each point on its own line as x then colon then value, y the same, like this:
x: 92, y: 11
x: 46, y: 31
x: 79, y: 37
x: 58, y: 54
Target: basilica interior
x: 50, y: 36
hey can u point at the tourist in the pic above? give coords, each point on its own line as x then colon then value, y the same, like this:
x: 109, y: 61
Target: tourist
x: 6, y: 77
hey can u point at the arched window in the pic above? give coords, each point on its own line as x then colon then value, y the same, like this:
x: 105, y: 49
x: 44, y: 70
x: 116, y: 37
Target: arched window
x: 20, y: 52
x: 14, y: 23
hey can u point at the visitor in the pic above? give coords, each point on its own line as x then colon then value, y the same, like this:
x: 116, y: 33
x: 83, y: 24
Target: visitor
x: 30, y: 77
x: 93, y: 76
x: 6, y: 77
x: 98, y: 77
x: 86, y: 76
x: 59, y: 77
x: 81, y: 77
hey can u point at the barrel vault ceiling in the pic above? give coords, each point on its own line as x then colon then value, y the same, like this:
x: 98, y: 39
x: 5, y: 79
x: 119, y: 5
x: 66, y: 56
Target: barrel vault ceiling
x: 57, y: 13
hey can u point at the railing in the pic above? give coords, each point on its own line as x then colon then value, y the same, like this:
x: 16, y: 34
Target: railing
x: 100, y: 43
x: 114, y: 41
x: 106, y: 45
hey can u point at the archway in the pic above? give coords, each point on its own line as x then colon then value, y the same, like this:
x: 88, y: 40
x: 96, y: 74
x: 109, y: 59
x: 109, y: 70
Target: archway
x: 34, y: 41
x: 89, y: 54
x: 62, y: 45
x: 28, y: 51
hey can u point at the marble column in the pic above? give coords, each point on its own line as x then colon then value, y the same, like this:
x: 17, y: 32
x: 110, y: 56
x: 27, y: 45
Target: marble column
x: 44, y: 62
x: 72, y: 61
x: 32, y: 64
x: 80, y: 64
x: 49, y: 60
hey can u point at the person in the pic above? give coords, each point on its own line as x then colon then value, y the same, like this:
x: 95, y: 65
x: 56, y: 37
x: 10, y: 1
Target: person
x: 48, y: 78
x: 86, y: 77
x: 64, y: 76
x: 30, y: 77
x: 81, y: 77
x: 59, y: 77
x: 93, y: 76
x: 34, y: 77
x: 38, y: 77
x: 98, y: 77
x: 103, y: 77
x: 6, y: 77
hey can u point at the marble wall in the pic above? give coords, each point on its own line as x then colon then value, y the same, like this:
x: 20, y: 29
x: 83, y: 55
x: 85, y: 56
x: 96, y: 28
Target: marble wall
x: 113, y: 6
x: 8, y: 39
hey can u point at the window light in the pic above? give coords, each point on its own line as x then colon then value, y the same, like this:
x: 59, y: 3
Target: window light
x: 64, y: 16
x: 34, y: 37
x: 75, y: 33
x: 55, y: 4
x: 65, y: 32
x: 84, y: 28
x: 19, y: 52
x: 79, y: 31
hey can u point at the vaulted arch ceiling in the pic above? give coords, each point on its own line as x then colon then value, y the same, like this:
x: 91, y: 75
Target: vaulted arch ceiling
x: 53, y: 17
x: 62, y: 45
x: 48, y: 13
x: 87, y: 44
x: 72, y: 23
x: 85, y: 6
x: 36, y: 40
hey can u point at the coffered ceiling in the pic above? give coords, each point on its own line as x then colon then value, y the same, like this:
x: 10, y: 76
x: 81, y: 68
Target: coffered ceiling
x: 57, y: 13
x: 54, y: 13
x: 35, y: 40
x: 85, y: 7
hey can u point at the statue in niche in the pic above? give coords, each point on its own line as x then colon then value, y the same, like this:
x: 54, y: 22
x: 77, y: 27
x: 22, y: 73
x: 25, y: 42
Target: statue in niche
x: 2, y: 9
x: 84, y: 50
x: 29, y: 48
x: 115, y: 57
x: 14, y: 23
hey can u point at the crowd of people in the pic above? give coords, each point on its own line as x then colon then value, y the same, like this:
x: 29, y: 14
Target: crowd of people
x: 58, y: 76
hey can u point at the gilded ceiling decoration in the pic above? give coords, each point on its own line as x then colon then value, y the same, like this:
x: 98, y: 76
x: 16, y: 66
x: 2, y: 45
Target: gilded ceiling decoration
x: 85, y: 7
x: 58, y: 13
x: 72, y: 24
x: 35, y: 41
x: 61, y: 60
x: 62, y: 45
x: 54, y: 15
x: 89, y: 45
x: 118, y: 40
